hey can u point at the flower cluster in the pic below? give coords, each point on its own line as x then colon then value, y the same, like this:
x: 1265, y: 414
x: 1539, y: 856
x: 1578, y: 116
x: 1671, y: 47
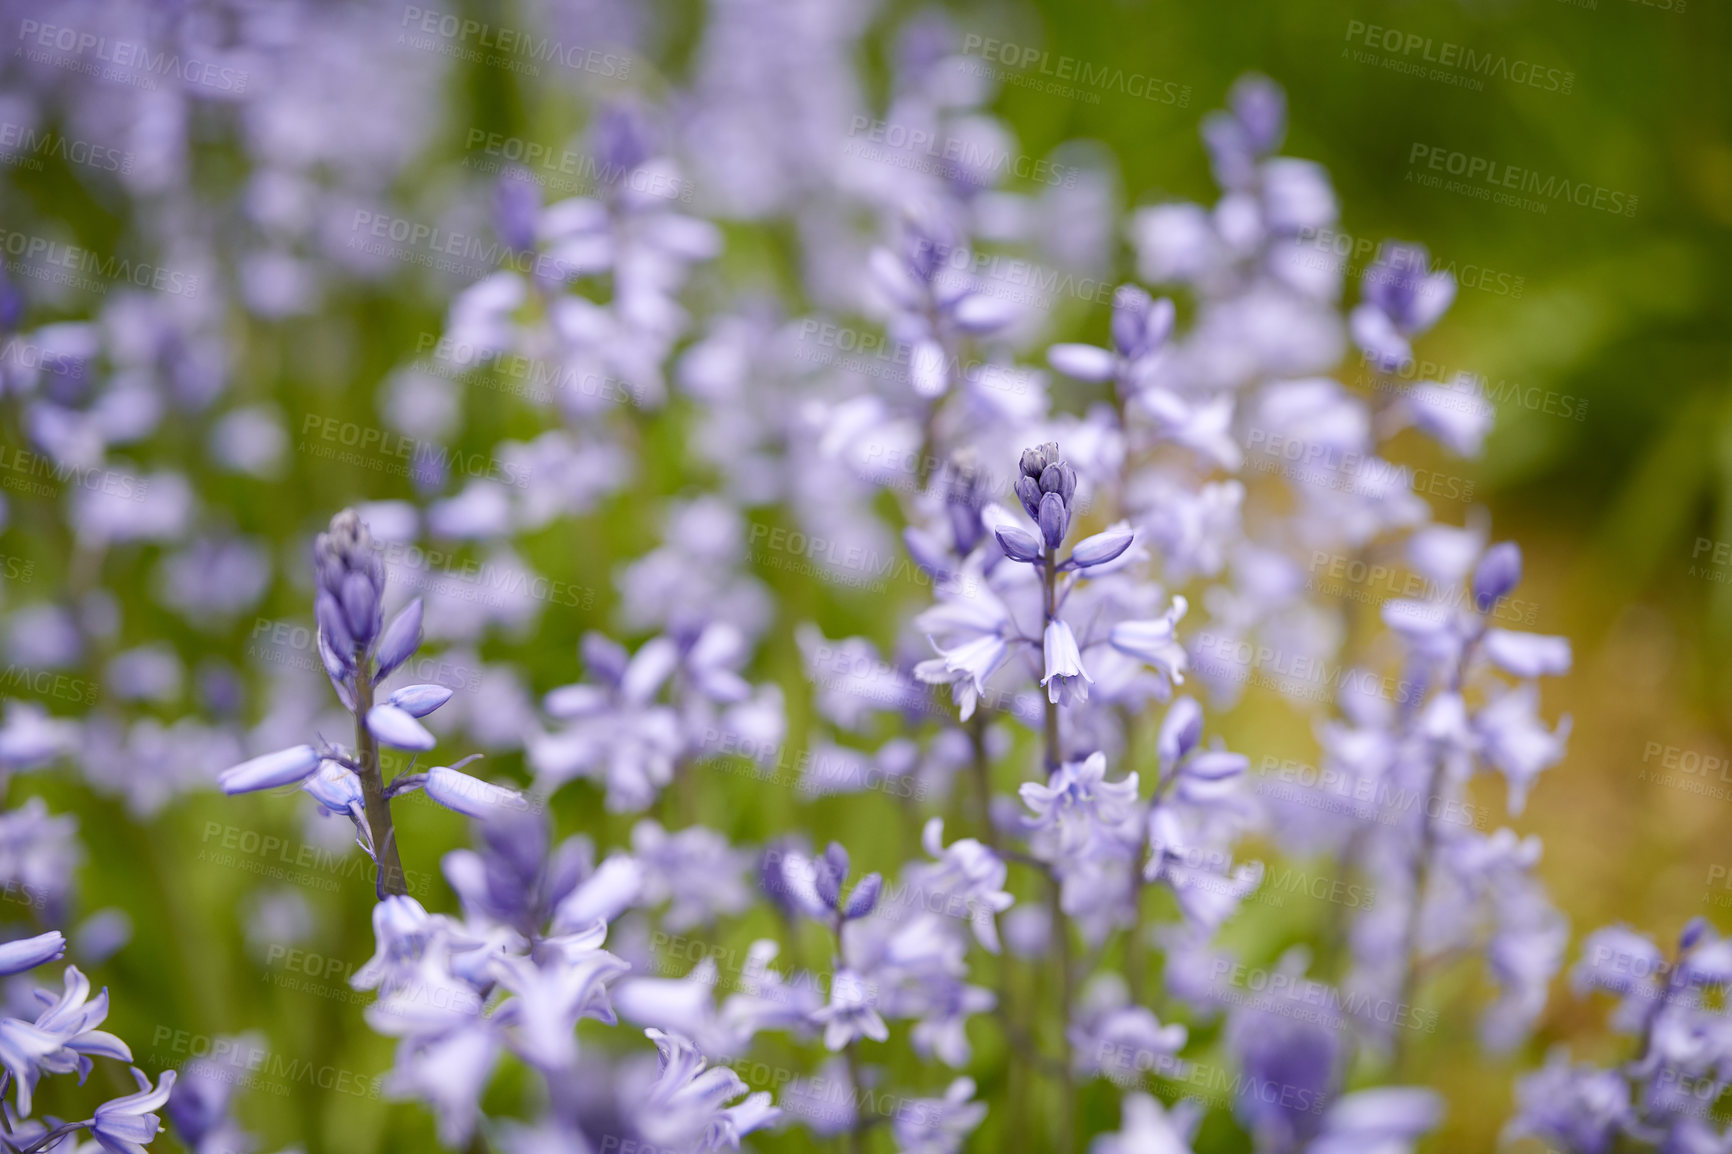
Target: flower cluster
x: 774, y: 362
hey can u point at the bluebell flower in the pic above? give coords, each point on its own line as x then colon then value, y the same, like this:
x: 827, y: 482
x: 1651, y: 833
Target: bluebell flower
x: 1251, y: 128
x: 1111, y: 1036
x: 1582, y: 1109
x: 965, y: 871
x: 271, y: 771
x: 201, y: 1106
x: 687, y: 1105
x: 28, y: 953
x: 1402, y: 300
x: 939, y: 1125
x: 1077, y: 812
x: 1389, y: 1118
x: 1066, y: 681
x: 124, y: 1125
x: 1148, y: 1127
x: 852, y: 1011
x: 694, y: 870
x: 1141, y: 328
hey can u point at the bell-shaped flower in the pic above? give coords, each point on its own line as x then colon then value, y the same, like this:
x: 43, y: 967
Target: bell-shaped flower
x: 1148, y: 1127
x: 419, y: 700
x: 28, y: 953
x: 1066, y: 681
x: 125, y: 1125
x: 852, y: 1011
x: 397, y: 727
x: 285, y: 767
x: 687, y: 1106
x: 1101, y: 548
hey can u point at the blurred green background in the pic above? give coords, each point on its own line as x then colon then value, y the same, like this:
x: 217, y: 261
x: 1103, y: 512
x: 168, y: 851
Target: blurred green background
x: 1629, y: 315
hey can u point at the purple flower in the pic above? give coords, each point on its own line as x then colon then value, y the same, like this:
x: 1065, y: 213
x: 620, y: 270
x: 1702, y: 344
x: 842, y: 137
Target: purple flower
x: 271, y: 770
x: 28, y: 953
x: 351, y: 586
x: 1148, y: 1127
x: 852, y: 1011
x: 687, y: 1104
x: 1402, y: 300
x: 1066, y: 681
x: 124, y: 1125
x: 939, y: 1125
x: 1390, y: 1118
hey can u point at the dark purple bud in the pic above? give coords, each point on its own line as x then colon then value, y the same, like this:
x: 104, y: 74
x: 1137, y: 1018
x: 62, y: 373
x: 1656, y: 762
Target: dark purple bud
x: 515, y: 202
x: 1033, y: 463
x: 1693, y: 931
x: 604, y: 657
x: 11, y: 305
x: 402, y: 637
x: 1130, y: 315
x: 826, y: 882
x: 622, y: 138
x: 1054, y: 520
x: 1017, y: 545
x: 361, y: 608
x: 1260, y: 107
x: 1052, y: 478
x: 838, y: 859
x: 335, y: 626
x: 1500, y: 571
x: 1028, y: 492
x: 966, y: 527
x: 864, y: 899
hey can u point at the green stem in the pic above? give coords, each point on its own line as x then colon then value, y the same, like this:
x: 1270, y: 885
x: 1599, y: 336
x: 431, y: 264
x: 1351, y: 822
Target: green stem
x: 391, y: 882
